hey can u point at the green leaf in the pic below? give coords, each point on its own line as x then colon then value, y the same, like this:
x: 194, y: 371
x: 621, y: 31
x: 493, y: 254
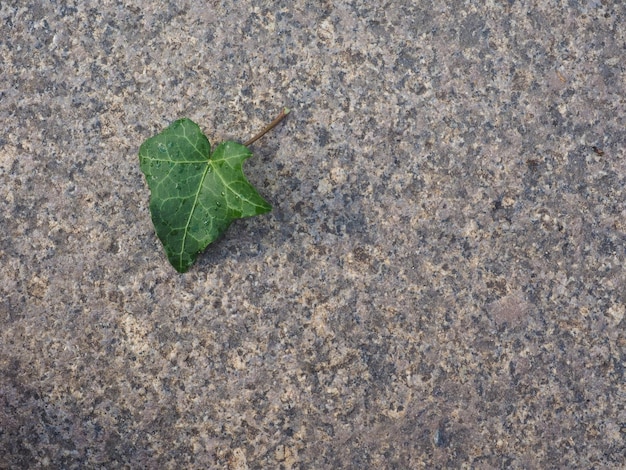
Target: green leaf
x: 195, y: 194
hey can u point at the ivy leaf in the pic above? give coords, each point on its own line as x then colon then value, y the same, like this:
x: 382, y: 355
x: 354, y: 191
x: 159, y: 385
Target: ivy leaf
x: 195, y: 194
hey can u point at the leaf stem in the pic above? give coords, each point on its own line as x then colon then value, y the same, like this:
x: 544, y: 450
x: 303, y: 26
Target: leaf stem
x: 269, y: 127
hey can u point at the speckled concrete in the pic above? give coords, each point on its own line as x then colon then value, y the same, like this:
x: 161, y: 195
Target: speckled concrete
x: 440, y: 284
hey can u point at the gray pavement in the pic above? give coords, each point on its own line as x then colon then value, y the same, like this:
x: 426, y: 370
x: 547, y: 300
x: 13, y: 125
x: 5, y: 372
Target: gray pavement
x: 439, y: 285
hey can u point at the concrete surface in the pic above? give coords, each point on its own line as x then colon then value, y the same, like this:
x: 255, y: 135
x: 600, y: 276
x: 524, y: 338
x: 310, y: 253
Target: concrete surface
x: 439, y: 285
